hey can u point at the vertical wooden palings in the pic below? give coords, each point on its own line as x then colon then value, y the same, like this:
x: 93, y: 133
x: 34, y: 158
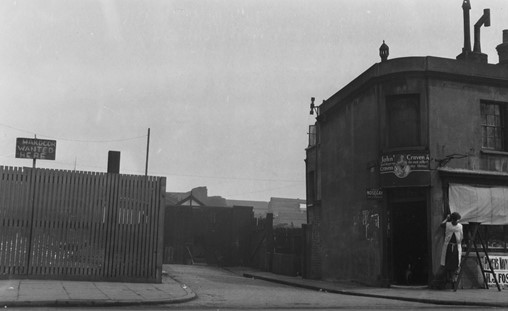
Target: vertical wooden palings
x: 118, y: 241
x: 85, y: 236
x: 123, y: 221
x: 35, y: 237
x: 134, y: 212
x: 4, y: 256
x: 144, y: 228
x: 160, y: 189
x: 82, y: 220
x: 74, y: 215
x: 136, y: 223
x: 59, y: 189
x: 151, y: 229
x: 14, y: 221
x: 17, y: 223
x: 75, y: 222
x: 105, y: 182
x: 114, y: 225
x: 10, y: 223
x: 110, y: 218
x: 131, y: 227
x: 155, y: 226
x: 50, y: 214
x: 7, y: 223
x: 66, y: 228
x: 62, y: 212
x: 72, y: 219
x: 120, y: 227
x: 3, y: 227
x: 87, y: 232
x: 98, y: 224
x: 42, y: 219
x: 90, y: 204
x: 27, y: 208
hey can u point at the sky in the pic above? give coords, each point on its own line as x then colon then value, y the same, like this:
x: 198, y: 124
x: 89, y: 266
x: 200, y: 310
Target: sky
x: 223, y: 85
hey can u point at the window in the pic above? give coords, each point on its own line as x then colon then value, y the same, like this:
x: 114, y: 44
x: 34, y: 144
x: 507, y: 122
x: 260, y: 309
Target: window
x: 493, y: 126
x: 312, y: 135
x: 403, y: 120
x: 495, y: 237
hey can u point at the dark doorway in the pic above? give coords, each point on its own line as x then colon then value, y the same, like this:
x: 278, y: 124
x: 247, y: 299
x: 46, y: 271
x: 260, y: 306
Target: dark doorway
x: 409, y: 243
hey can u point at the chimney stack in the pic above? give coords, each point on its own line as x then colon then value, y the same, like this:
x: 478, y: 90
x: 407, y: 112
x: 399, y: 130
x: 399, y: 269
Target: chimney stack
x: 502, y: 49
x: 476, y: 55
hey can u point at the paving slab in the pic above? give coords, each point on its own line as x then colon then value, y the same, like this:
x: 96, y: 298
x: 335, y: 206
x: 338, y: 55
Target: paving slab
x: 46, y: 293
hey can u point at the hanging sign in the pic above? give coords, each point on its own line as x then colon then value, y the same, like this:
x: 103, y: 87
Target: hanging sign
x: 405, y: 169
x: 33, y: 148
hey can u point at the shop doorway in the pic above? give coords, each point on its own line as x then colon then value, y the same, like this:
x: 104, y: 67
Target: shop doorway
x: 409, y: 243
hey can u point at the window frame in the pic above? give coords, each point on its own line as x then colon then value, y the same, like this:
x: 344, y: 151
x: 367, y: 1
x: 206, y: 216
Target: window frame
x: 498, y: 130
x: 414, y: 98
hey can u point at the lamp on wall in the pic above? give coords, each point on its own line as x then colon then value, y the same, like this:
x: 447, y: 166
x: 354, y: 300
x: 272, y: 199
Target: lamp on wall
x: 313, y: 107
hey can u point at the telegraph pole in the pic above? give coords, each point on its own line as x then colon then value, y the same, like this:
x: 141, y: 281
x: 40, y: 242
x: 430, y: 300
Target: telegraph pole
x: 147, y: 151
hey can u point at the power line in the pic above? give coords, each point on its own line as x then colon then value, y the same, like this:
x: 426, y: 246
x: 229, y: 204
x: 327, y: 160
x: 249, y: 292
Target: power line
x: 74, y: 140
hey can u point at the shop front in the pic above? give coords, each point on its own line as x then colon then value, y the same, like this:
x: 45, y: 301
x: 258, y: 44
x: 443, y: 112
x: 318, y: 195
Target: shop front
x: 480, y: 197
x: 405, y: 178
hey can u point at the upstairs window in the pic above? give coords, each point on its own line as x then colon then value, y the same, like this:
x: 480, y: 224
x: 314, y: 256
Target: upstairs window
x: 493, y: 126
x: 403, y: 120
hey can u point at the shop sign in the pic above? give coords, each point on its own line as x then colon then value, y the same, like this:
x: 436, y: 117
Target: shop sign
x: 374, y: 193
x: 405, y: 169
x: 500, y: 266
x: 33, y: 148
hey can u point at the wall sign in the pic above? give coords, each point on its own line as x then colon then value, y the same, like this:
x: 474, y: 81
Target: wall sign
x: 32, y: 148
x: 405, y: 169
x: 374, y: 193
x: 500, y: 266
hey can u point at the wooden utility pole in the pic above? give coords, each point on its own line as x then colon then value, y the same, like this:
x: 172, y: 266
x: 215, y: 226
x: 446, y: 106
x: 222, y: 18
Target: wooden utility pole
x: 147, y: 151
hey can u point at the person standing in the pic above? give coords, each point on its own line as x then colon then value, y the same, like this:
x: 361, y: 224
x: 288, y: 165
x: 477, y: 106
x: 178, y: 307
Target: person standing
x: 452, y: 248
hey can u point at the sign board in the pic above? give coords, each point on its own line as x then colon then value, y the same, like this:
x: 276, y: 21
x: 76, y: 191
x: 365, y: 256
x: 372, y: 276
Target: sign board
x: 500, y: 266
x: 33, y: 148
x: 405, y: 169
x: 374, y: 193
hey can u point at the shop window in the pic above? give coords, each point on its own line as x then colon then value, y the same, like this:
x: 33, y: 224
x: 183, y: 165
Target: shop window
x: 493, y: 116
x: 403, y: 120
x: 494, y: 236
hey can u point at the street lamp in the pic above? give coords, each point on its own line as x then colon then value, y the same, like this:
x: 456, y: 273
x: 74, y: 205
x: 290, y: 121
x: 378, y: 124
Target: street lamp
x: 313, y: 107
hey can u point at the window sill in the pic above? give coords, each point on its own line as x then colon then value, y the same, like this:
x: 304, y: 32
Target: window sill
x: 494, y: 152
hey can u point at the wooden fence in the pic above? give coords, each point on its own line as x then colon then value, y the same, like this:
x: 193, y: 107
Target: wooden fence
x: 80, y: 225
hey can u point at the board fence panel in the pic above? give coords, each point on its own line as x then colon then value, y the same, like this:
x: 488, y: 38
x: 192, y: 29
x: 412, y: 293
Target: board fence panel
x: 58, y: 224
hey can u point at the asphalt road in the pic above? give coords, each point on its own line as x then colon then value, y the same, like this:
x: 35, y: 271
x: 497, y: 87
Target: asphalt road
x: 220, y: 289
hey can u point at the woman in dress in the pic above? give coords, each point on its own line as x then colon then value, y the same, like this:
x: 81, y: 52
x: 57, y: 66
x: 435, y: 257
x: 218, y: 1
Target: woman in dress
x: 452, y: 247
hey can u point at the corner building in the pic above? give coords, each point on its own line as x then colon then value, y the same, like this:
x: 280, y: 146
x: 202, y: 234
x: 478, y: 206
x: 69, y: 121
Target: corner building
x: 383, y: 154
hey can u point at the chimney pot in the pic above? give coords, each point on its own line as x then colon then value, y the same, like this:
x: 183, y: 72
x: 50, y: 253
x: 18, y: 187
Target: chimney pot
x: 502, y: 49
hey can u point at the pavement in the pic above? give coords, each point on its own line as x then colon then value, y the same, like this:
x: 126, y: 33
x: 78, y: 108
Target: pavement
x: 47, y: 293
x: 31, y: 293
x: 490, y: 297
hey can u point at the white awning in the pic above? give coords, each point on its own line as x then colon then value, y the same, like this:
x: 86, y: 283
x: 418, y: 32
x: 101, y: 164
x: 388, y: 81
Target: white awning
x: 486, y: 205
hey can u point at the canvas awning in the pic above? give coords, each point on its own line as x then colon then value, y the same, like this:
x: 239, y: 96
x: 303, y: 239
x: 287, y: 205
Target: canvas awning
x: 486, y: 205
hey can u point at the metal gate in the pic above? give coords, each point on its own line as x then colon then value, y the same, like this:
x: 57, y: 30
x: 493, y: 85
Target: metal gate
x: 80, y: 225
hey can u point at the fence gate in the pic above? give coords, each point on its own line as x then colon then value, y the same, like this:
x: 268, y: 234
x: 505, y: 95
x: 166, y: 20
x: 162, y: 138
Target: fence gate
x: 80, y: 225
